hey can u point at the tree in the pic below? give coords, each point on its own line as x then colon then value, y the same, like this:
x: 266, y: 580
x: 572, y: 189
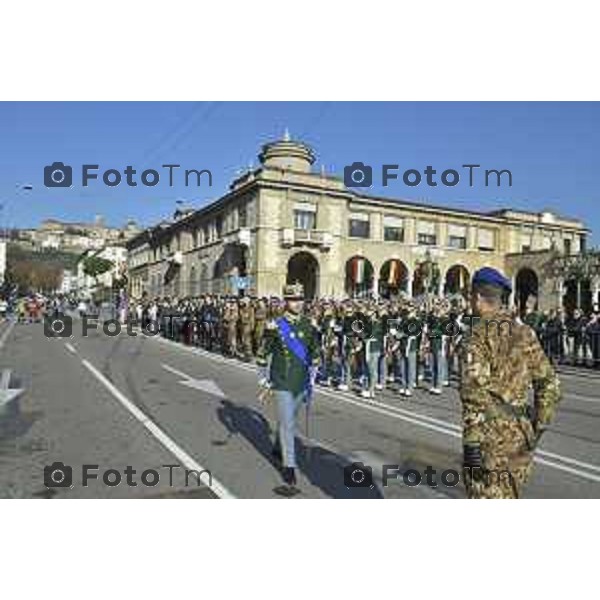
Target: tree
x: 94, y: 266
x: 34, y: 276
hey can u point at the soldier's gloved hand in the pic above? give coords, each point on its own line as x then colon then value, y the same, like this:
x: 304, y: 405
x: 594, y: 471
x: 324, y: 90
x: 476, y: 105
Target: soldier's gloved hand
x: 263, y: 378
x: 472, y: 457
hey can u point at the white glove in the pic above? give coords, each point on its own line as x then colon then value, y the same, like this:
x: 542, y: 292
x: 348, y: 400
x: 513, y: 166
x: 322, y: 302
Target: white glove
x: 263, y: 379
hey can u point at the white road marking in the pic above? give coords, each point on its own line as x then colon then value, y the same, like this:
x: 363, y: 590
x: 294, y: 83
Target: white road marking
x: 5, y: 379
x: 218, y: 488
x: 6, y: 333
x: 454, y: 427
x: 175, y: 371
x: 70, y: 348
x: 204, y: 385
x: 424, y: 421
x: 7, y: 394
x: 582, y: 398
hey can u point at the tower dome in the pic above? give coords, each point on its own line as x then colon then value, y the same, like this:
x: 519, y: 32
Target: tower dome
x: 287, y: 154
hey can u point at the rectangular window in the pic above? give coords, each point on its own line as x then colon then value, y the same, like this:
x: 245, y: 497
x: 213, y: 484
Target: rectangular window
x: 567, y: 244
x: 426, y: 234
x: 458, y: 242
x: 393, y: 234
x: 304, y: 219
x: 219, y: 226
x: 457, y: 236
x: 426, y: 239
x: 242, y: 216
x: 526, y: 239
x: 485, y: 239
x: 358, y: 225
x: 359, y: 229
x: 393, y: 229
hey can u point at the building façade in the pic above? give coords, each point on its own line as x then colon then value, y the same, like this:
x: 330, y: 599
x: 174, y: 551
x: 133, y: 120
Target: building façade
x: 283, y: 223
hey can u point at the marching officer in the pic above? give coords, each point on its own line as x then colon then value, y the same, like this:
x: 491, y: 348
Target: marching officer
x: 288, y: 360
x: 501, y: 360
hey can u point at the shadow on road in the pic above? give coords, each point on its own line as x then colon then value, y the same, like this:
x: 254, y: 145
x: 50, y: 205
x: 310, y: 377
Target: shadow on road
x: 322, y: 467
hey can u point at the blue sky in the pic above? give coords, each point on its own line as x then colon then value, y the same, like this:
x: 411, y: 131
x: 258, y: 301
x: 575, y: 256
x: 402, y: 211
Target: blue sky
x: 551, y: 149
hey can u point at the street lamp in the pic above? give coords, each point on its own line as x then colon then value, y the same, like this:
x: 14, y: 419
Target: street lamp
x: 22, y: 187
x: 429, y: 272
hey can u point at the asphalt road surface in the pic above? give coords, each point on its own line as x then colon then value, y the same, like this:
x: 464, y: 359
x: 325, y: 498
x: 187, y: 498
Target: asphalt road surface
x: 125, y: 408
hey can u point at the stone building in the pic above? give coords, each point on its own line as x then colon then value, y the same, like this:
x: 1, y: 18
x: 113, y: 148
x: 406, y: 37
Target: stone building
x: 286, y: 222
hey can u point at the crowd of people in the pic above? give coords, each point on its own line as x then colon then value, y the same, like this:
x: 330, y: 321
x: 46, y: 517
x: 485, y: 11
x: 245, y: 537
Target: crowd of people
x: 568, y: 337
x: 401, y: 343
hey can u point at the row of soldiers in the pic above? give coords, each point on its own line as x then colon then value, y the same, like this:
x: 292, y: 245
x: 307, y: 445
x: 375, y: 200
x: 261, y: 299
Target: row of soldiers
x: 374, y: 344
x: 377, y: 343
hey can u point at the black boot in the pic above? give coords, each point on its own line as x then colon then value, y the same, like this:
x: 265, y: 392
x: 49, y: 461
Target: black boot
x: 289, y: 475
x: 288, y: 489
x: 276, y: 452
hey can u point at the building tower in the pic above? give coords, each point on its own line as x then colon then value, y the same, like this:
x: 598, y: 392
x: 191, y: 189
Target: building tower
x: 287, y: 154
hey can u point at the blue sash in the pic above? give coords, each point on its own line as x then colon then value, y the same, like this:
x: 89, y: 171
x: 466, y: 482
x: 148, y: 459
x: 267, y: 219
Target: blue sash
x: 296, y: 347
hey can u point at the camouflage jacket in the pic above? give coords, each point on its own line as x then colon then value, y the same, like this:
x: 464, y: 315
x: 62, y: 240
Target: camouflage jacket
x: 500, y: 361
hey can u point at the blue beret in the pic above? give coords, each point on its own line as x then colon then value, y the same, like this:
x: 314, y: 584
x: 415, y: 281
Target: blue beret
x: 490, y: 276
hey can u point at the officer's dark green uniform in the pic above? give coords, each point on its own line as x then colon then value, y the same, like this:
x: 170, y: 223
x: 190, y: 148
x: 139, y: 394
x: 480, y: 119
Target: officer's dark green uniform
x: 412, y: 328
x: 287, y: 376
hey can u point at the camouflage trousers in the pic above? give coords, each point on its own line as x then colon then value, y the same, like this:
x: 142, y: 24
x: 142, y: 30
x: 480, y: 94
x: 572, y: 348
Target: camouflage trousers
x: 507, y: 462
x: 501, y: 479
x: 246, y: 342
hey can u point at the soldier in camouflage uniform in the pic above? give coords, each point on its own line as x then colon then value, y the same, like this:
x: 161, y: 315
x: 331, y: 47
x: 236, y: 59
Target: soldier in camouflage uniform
x: 246, y: 327
x: 260, y: 319
x: 229, y: 328
x: 287, y: 374
x: 501, y: 360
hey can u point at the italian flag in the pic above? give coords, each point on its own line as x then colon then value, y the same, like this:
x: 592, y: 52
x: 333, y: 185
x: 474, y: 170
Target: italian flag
x: 393, y: 274
x: 358, y: 270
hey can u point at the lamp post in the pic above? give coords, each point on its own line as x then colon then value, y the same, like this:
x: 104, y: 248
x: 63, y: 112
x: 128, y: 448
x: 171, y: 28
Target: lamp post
x: 429, y: 273
x: 26, y: 187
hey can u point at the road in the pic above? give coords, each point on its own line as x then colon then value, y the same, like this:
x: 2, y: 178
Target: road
x: 144, y: 402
